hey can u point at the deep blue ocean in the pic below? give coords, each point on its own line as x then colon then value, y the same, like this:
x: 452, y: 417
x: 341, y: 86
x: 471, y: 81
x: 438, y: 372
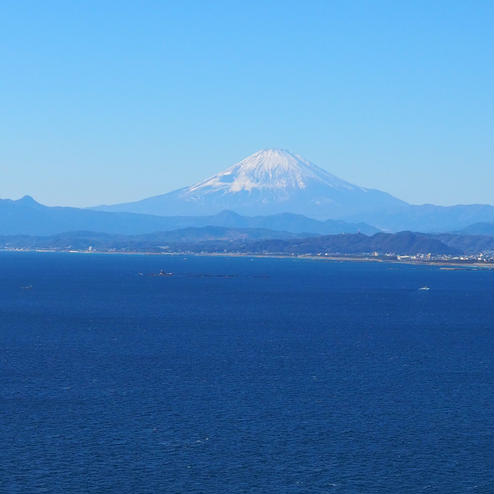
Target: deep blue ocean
x: 240, y: 375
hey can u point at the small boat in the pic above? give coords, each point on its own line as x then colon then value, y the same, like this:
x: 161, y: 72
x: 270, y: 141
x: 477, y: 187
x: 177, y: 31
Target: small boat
x: 424, y: 288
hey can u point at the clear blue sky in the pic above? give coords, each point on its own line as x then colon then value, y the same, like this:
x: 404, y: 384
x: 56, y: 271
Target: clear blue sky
x: 110, y: 101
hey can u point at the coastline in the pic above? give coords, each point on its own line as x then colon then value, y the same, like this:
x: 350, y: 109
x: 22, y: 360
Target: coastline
x: 445, y: 265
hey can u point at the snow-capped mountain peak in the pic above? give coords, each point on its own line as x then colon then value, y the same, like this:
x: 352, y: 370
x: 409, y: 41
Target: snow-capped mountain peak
x: 269, y: 169
x: 270, y: 181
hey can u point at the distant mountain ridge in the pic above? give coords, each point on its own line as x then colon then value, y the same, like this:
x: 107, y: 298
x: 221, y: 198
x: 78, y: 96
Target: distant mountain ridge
x: 271, y: 189
x: 478, y: 229
x: 26, y: 216
x: 429, y: 218
x: 401, y: 243
x: 237, y: 240
x: 275, y: 181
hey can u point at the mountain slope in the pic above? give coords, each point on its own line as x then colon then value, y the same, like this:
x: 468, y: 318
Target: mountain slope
x: 28, y: 217
x: 268, y: 182
x: 427, y: 217
x: 404, y: 243
x: 274, y: 181
x: 467, y: 243
x: 478, y: 229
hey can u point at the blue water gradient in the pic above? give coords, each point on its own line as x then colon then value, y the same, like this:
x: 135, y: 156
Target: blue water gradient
x: 241, y: 375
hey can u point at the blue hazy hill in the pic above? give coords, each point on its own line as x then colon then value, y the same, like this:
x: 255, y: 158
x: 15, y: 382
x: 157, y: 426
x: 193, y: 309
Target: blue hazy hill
x: 478, y: 229
x: 28, y: 217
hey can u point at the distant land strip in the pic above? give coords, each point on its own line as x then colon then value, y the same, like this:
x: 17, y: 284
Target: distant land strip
x: 402, y: 246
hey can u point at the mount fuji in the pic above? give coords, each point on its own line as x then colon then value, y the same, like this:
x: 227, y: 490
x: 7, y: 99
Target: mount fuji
x: 270, y: 181
x: 274, y: 181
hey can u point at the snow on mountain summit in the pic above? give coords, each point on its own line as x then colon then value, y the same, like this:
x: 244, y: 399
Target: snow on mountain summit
x: 276, y: 181
x: 270, y: 181
x: 269, y: 169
